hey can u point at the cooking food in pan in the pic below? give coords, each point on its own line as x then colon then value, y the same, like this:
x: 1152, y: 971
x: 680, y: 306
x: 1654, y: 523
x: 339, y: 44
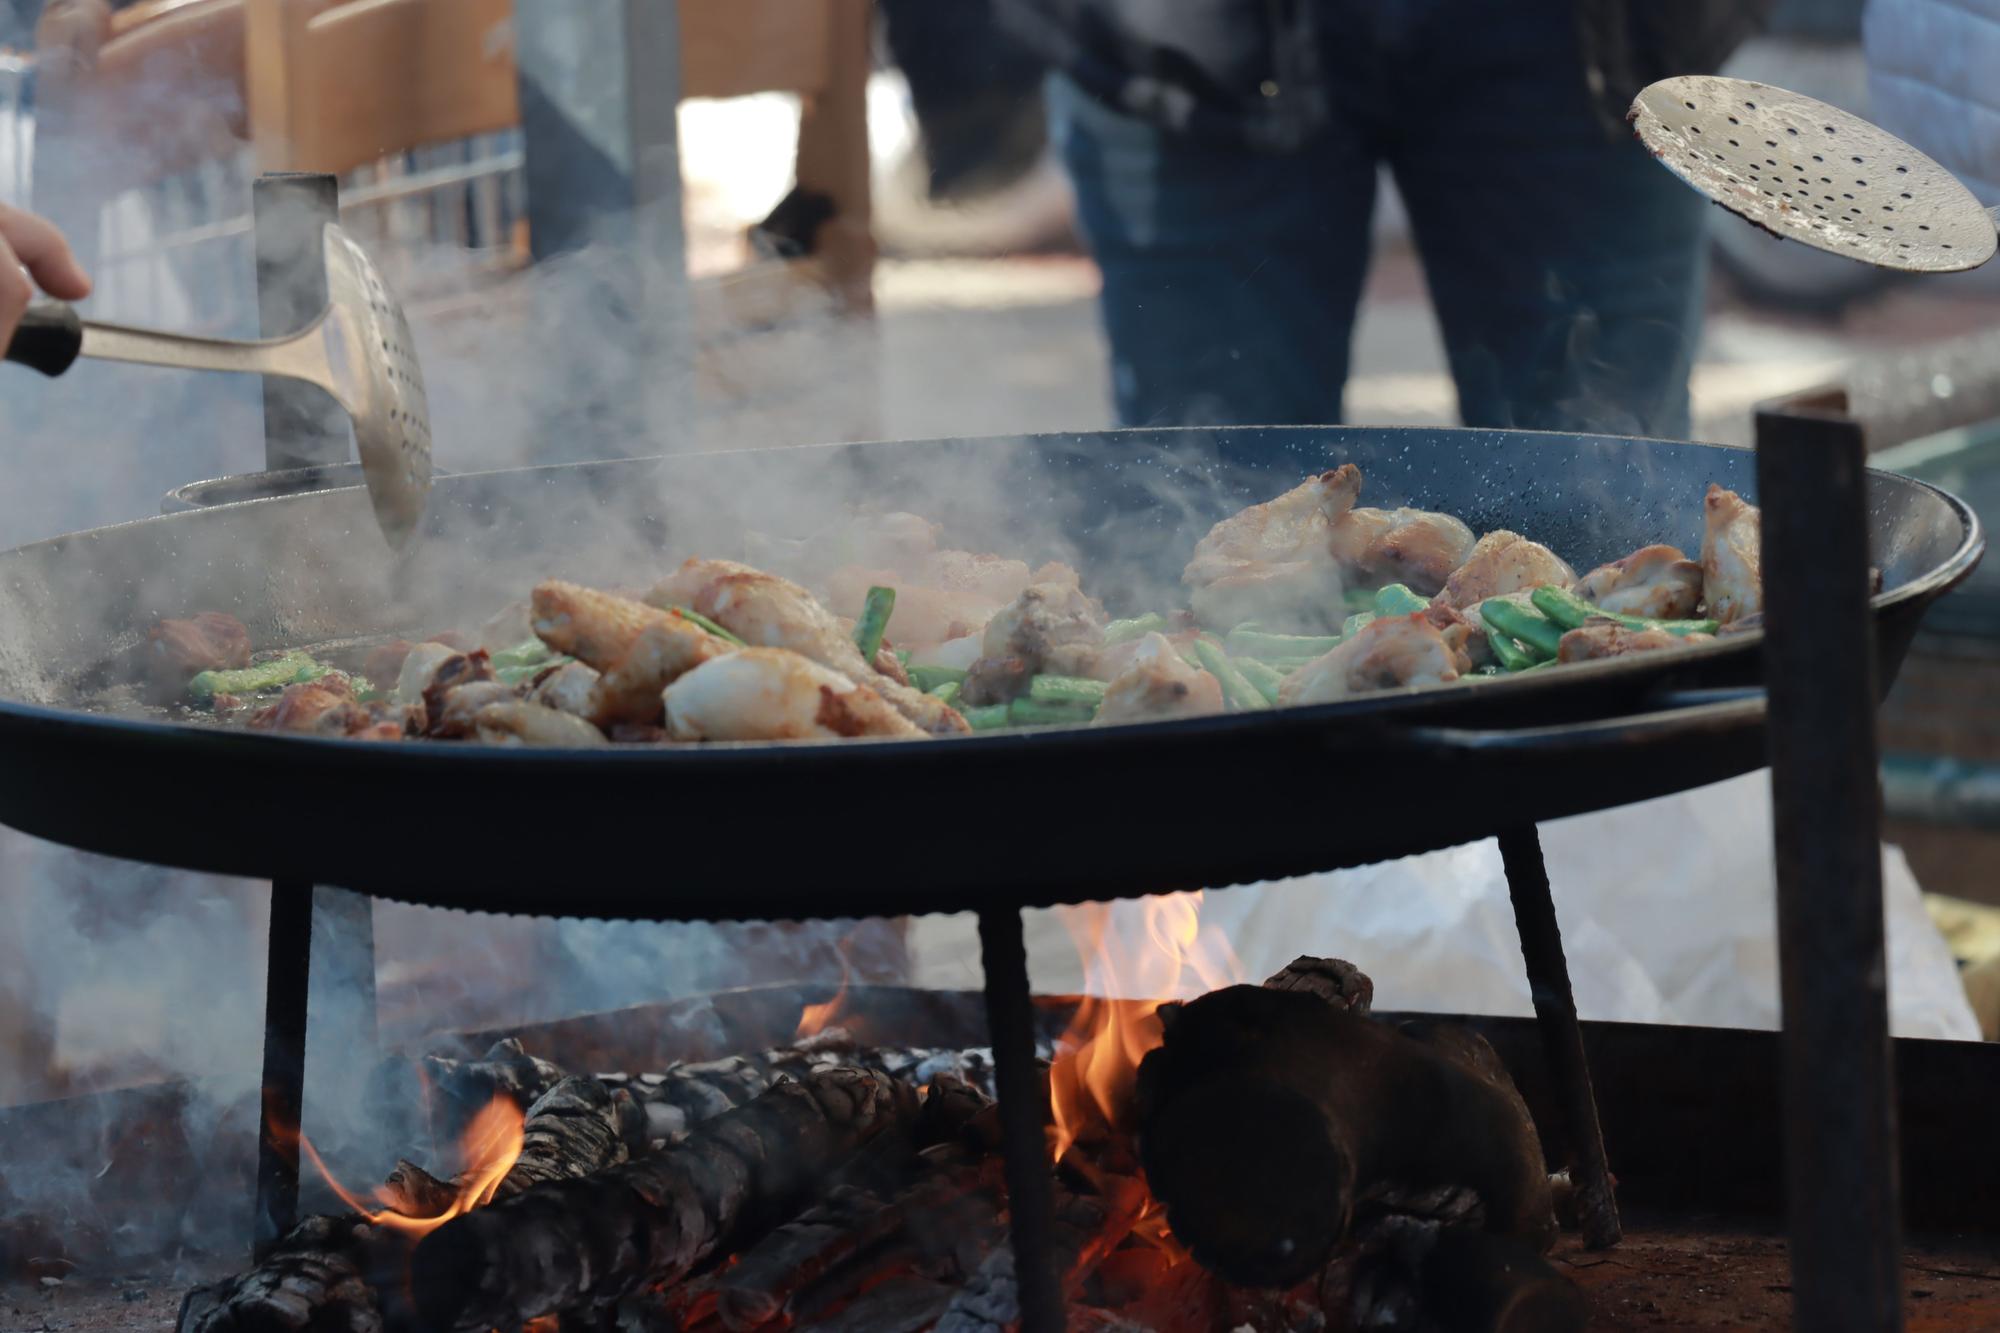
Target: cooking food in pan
x: 876, y: 629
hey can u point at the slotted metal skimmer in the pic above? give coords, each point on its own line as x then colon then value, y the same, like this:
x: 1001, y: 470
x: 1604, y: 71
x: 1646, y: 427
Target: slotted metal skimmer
x: 359, y: 350
x: 1813, y: 173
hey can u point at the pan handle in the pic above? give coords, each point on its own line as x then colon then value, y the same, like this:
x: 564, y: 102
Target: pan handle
x: 49, y: 339
x: 1673, y: 715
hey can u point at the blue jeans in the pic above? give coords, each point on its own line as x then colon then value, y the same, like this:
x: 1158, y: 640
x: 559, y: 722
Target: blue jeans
x: 1566, y: 268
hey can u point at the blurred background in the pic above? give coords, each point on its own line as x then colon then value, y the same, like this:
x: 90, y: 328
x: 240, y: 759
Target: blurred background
x: 770, y: 221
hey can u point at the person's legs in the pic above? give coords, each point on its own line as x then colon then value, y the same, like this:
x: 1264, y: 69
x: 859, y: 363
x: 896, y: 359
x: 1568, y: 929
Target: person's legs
x: 1230, y: 278
x: 1567, y: 268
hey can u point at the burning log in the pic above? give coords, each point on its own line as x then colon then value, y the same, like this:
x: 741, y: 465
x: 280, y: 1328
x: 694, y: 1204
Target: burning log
x: 316, y: 1278
x: 1272, y: 1122
x: 589, y: 1242
x: 319, y: 1276
x: 459, y: 1088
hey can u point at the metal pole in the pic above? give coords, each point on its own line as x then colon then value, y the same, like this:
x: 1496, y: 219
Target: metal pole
x: 1819, y: 669
x: 1562, y: 1038
x: 1024, y: 1118
x: 303, y: 426
x: 599, y: 92
x: 287, y: 967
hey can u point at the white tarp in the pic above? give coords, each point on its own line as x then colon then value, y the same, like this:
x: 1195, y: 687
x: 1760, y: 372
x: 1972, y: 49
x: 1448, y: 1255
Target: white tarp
x: 1667, y: 912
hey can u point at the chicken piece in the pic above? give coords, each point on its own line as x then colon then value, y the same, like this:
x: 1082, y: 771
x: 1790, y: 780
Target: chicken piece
x: 1387, y: 653
x: 629, y: 691
x: 1410, y: 546
x: 1052, y: 628
x: 209, y: 641
x: 327, y: 707
x: 454, y: 717
x: 430, y: 671
x: 1274, y: 561
x: 1158, y: 684
x: 1503, y: 562
x: 1731, y: 560
x: 1599, y: 639
x: 1656, y: 582
x: 566, y: 688
x: 595, y: 627
x: 766, y: 611
x: 773, y: 694
x: 517, y: 723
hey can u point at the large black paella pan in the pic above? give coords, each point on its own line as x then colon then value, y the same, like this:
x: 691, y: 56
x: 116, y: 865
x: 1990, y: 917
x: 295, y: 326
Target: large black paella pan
x: 883, y: 826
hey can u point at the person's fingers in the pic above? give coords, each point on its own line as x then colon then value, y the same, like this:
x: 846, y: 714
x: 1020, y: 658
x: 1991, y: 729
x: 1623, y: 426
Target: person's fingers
x: 15, y: 293
x: 37, y: 244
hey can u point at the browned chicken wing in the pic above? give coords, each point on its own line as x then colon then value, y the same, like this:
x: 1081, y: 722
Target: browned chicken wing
x: 1274, y: 561
x: 1388, y: 653
x: 208, y: 641
x: 772, y: 694
x: 1414, y: 547
x: 1503, y: 562
x: 1157, y: 683
x: 1731, y: 561
x: 598, y: 628
x: 1599, y: 639
x: 515, y: 722
x: 1656, y: 582
x: 766, y: 611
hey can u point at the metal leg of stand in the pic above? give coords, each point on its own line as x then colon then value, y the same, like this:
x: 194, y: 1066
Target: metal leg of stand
x: 286, y: 970
x: 1010, y: 1021
x: 1841, y: 1164
x: 1562, y: 1039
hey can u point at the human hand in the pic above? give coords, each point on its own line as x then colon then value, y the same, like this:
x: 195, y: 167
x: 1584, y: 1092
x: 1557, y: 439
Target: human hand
x: 32, y: 248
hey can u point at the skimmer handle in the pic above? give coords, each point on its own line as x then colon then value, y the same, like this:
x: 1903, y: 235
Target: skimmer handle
x: 49, y: 339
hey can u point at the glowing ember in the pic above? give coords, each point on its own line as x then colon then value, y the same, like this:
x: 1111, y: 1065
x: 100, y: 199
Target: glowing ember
x: 1124, y: 986
x: 489, y: 1147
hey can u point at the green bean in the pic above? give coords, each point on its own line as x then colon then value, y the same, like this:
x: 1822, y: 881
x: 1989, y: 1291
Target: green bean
x: 1267, y: 679
x: 1285, y: 666
x: 703, y: 622
x: 1358, y: 599
x: 928, y: 678
x: 1355, y: 623
x: 1570, y: 611
x: 1397, y: 600
x: 1538, y: 635
x: 1236, y: 688
x: 874, y: 621
x: 364, y: 689
x: 1511, y: 656
x: 948, y: 692
x: 1066, y: 690
x: 987, y: 718
x: 275, y: 674
x: 1025, y: 712
x: 1253, y: 643
x: 531, y: 652
x: 1120, y: 631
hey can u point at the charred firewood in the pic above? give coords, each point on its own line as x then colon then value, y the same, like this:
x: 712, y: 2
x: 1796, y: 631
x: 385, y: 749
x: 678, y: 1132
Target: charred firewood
x: 577, y: 1128
x: 683, y: 1095
x: 906, y: 1304
x: 1444, y: 1280
x: 590, y: 1242
x: 1334, y: 980
x: 316, y: 1280
x: 460, y: 1089
x: 319, y: 1278
x: 1268, y: 1118
x: 1086, y: 1227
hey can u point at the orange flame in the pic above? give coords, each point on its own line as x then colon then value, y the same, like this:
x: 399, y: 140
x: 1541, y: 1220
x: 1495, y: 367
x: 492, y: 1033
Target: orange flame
x: 1098, y: 1058
x: 816, y: 1018
x: 491, y: 1144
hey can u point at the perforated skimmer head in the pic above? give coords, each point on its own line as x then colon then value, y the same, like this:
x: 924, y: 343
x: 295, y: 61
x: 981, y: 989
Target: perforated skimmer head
x: 376, y: 377
x: 1802, y: 169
